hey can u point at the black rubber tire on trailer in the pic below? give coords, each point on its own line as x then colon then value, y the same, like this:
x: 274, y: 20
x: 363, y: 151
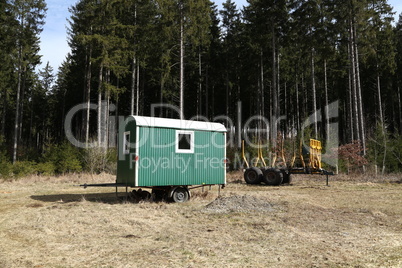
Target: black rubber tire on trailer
x: 180, y: 195
x: 287, y: 177
x: 145, y: 195
x: 253, y: 175
x: 273, y: 176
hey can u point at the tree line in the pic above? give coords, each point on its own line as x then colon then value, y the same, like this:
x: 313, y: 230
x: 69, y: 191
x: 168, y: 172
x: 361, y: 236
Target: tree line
x: 278, y: 58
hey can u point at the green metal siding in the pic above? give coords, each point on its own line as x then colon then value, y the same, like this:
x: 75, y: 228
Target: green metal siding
x: 160, y: 165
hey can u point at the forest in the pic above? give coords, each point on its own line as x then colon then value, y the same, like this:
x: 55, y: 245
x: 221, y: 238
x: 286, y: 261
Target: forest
x: 273, y: 59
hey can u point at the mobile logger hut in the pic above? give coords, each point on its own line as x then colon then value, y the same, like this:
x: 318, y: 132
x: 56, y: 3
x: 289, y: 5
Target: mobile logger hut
x: 169, y: 156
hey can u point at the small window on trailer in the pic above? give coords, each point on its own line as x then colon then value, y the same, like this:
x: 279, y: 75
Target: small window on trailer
x: 184, y: 141
x: 126, y: 142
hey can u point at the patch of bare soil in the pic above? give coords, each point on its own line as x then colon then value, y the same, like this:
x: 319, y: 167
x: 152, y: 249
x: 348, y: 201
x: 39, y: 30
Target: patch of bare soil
x: 238, y: 203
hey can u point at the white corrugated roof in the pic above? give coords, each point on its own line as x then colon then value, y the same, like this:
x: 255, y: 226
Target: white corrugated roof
x: 177, y: 123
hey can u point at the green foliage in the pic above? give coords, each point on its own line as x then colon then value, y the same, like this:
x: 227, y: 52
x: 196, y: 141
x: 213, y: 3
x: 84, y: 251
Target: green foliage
x: 62, y: 159
x: 385, y: 150
x: 261, y: 55
x: 5, y: 165
x: 24, y: 168
x: 46, y: 169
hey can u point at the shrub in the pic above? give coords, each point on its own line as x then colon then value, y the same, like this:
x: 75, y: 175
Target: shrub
x: 64, y: 158
x: 351, y: 156
x: 99, y: 159
x: 6, y: 169
x: 23, y: 168
x: 47, y: 169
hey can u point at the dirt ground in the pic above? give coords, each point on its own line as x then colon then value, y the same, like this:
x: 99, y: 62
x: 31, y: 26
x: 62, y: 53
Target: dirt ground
x: 355, y: 222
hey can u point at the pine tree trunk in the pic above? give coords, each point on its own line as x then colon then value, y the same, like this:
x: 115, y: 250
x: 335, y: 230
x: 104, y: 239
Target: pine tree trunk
x: 326, y: 100
x: 380, y: 113
x: 207, y: 92
x: 17, y: 116
x: 274, y: 117
x: 3, y: 114
x: 137, y: 106
x: 297, y: 104
x: 181, y: 65
x: 314, y: 93
x: 400, y: 110
x: 133, y: 74
x: 199, y: 93
x: 305, y: 95
x: 88, y: 95
x: 262, y: 112
x: 349, y: 112
x: 354, y: 84
x: 359, y: 96
x: 106, y: 112
x: 100, y: 80
x: 22, y: 104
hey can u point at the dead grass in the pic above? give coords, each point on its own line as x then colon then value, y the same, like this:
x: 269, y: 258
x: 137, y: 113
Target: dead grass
x: 49, y: 222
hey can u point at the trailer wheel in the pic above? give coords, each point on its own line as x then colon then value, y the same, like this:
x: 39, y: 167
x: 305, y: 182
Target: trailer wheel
x: 145, y: 195
x: 273, y: 176
x: 287, y: 177
x: 180, y: 194
x: 253, y: 175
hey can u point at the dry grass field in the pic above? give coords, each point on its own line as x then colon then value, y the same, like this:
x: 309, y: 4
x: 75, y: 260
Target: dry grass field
x: 356, y: 222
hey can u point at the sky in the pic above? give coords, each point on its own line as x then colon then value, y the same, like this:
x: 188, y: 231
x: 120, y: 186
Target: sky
x: 54, y: 47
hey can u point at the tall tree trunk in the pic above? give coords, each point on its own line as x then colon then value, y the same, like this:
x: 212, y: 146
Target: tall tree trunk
x: 297, y: 104
x: 305, y: 99
x: 3, y: 114
x: 22, y: 103
x: 278, y: 84
x: 314, y: 93
x: 133, y: 70
x: 88, y: 94
x: 181, y: 63
x: 106, y: 111
x: 262, y: 112
x: 207, y: 92
x: 133, y: 74
x: 17, y: 112
x: 326, y: 100
x: 380, y: 113
x: 349, y: 113
x: 273, y: 119
x: 359, y: 95
x: 199, y: 93
x: 100, y: 80
x: 137, y: 106
x: 400, y: 110
x: 354, y: 83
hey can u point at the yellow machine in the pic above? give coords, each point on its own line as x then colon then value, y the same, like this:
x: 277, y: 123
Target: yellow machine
x: 307, y: 161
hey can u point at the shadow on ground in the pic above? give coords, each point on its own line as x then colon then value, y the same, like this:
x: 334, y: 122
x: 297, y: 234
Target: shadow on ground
x: 109, y: 198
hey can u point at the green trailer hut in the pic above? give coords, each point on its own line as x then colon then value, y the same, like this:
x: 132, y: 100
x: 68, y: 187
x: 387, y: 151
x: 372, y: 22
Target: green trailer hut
x: 171, y: 156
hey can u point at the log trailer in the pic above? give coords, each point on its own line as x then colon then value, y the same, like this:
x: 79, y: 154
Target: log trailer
x: 308, y: 161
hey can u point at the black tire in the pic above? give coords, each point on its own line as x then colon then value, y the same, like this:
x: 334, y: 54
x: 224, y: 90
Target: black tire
x: 145, y: 195
x: 180, y: 195
x: 273, y: 176
x: 253, y: 175
x: 287, y: 177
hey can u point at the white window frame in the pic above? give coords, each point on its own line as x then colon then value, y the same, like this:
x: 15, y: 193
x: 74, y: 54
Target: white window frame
x: 126, y: 142
x: 185, y: 151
